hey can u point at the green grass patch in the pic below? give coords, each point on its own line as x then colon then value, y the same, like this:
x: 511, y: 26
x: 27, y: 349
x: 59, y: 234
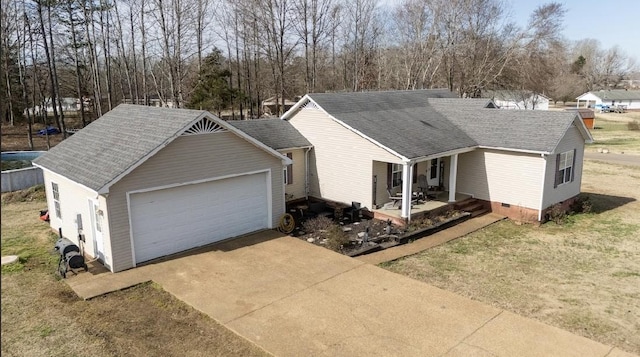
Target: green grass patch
x: 625, y: 274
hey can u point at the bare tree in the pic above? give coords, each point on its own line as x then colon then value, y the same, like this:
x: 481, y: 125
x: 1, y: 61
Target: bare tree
x: 73, y: 21
x: 313, y: 25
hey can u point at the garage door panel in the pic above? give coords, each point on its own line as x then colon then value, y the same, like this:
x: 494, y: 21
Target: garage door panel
x: 172, y: 220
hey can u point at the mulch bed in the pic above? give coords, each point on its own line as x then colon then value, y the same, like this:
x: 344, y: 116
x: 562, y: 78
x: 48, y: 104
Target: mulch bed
x: 370, y: 235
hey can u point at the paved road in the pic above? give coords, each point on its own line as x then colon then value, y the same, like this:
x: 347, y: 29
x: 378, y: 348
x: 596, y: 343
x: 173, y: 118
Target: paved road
x: 619, y: 159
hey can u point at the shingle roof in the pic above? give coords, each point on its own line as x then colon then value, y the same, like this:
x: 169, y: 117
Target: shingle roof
x: 529, y: 130
x: 402, y: 121
x: 109, y: 146
x: 423, y: 123
x: 619, y: 94
x: 275, y: 133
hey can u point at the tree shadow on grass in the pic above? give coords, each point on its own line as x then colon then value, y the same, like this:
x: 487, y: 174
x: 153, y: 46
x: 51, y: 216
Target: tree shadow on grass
x: 602, y: 203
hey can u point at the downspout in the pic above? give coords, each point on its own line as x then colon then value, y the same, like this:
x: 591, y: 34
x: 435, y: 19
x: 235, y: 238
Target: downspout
x: 306, y: 172
x: 544, y: 179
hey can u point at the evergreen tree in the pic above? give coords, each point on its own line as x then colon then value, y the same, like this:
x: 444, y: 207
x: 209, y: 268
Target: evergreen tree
x: 213, y: 92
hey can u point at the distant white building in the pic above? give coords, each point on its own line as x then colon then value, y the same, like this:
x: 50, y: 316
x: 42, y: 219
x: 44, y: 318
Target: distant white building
x: 68, y: 104
x: 152, y: 101
x: 612, y: 98
x: 517, y: 99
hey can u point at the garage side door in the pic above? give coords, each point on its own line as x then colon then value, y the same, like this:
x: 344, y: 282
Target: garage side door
x: 171, y: 220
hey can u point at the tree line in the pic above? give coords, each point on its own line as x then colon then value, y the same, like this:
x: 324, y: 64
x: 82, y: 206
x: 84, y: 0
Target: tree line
x: 230, y: 55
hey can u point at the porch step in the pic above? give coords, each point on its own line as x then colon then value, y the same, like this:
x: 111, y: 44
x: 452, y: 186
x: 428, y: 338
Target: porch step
x: 473, y: 206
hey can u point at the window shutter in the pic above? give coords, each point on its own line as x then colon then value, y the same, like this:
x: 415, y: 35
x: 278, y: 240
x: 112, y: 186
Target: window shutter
x: 290, y: 169
x: 573, y: 165
x: 389, y: 175
x: 558, y: 177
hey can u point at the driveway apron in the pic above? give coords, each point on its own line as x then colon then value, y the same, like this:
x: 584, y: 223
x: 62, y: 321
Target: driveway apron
x: 293, y: 298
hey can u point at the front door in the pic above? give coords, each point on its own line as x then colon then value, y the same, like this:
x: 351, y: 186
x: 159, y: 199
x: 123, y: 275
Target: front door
x: 97, y: 222
x: 433, y: 173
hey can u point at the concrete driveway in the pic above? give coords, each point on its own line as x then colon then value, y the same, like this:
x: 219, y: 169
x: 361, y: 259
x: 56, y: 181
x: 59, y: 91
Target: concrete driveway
x: 296, y: 299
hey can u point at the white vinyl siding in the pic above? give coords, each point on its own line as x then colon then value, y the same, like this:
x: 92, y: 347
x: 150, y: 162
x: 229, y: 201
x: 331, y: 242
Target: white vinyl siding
x: 572, y: 140
x: 296, y: 188
x: 74, y: 202
x: 501, y: 176
x: 187, y: 159
x: 341, y: 161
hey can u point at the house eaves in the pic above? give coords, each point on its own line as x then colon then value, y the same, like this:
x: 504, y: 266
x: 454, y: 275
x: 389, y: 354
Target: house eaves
x: 307, y: 99
x: 285, y: 160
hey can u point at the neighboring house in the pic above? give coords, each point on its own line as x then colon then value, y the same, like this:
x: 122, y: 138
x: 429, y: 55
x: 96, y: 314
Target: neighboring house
x: 281, y: 136
x: 517, y: 99
x: 152, y: 101
x: 269, y: 107
x: 68, y: 104
x: 612, y: 98
x: 143, y: 182
x: 366, y: 144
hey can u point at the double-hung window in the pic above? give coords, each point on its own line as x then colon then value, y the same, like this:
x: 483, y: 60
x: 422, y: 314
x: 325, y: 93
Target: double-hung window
x: 565, y: 164
x: 396, y: 175
x: 56, y: 199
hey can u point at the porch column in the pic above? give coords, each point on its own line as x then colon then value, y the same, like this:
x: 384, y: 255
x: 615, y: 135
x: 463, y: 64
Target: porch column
x: 453, y: 175
x: 407, y: 174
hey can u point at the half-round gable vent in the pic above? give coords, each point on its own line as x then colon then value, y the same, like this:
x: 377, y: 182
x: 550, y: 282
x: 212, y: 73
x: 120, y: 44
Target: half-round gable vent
x: 204, y: 126
x: 309, y: 105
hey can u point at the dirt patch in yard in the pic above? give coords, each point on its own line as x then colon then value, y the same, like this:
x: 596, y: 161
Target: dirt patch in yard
x: 583, y: 277
x: 42, y: 316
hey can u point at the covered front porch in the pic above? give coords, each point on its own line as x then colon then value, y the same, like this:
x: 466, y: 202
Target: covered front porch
x: 431, y: 178
x: 419, y: 208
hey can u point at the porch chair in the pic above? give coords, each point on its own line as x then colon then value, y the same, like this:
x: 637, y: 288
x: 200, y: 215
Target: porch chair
x: 395, y: 198
x: 423, y: 186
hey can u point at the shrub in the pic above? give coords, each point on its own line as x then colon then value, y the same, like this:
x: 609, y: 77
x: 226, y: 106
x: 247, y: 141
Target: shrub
x: 336, y: 238
x: 557, y: 214
x: 582, y: 204
x: 317, y: 224
x: 633, y: 125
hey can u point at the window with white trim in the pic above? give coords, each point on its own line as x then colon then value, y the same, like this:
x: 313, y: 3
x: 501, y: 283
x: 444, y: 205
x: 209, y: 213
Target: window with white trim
x: 56, y: 199
x: 288, y: 171
x: 396, y: 175
x: 565, y: 167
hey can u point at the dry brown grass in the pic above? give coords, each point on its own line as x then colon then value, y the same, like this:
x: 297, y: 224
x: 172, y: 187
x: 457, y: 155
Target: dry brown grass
x: 583, y: 276
x: 42, y: 316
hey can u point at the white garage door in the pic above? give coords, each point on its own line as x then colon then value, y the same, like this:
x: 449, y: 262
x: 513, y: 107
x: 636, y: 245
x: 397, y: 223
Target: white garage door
x: 171, y: 220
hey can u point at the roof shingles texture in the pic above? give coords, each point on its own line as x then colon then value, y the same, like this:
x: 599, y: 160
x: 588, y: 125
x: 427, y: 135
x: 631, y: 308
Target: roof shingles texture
x: 107, y: 147
x: 421, y: 123
x: 403, y: 121
x: 530, y: 130
x: 275, y: 133
x: 428, y: 122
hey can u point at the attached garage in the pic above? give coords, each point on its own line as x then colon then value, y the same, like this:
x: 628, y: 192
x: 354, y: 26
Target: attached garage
x: 170, y: 220
x: 161, y: 181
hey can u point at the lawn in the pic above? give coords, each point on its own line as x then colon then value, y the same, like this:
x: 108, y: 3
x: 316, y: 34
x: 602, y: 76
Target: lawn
x: 612, y: 133
x: 583, y: 276
x: 42, y: 316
